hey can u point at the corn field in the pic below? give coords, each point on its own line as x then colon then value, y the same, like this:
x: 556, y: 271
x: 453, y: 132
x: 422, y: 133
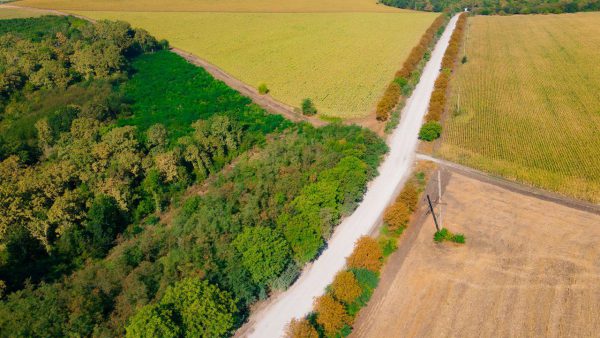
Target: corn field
x: 526, y: 104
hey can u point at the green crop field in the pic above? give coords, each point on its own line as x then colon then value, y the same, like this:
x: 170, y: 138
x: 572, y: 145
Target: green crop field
x: 530, y: 101
x: 341, y: 60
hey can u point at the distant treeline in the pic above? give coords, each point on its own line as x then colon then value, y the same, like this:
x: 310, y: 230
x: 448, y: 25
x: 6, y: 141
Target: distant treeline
x: 489, y: 7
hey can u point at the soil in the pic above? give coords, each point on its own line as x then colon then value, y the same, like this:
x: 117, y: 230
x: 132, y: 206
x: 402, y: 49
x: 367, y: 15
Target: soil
x: 530, y: 267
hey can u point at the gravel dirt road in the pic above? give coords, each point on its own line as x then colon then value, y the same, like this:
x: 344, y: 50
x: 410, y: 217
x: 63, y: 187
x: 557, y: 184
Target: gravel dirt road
x: 271, y: 319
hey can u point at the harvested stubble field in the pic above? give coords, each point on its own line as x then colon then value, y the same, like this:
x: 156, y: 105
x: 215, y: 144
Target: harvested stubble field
x: 529, y: 268
x: 530, y: 101
x: 340, y: 55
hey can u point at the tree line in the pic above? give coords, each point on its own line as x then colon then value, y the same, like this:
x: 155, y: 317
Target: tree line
x: 351, y: 289
x: 432, y: 129
x: 401, y: 83
x: 490, y: 7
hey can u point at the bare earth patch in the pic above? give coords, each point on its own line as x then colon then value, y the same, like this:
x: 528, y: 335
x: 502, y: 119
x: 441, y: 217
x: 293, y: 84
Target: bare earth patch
x: 529, y: 268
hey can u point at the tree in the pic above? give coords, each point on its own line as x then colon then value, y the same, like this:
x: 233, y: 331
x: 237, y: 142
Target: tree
x: 367, y: 254
x: 104, y: 221
x: 153, y: 321
x: 156, y: 136
x: 345, y: 287
x: 265, y: 253
x: 331, y: 314
x: 300, y: 328
x: 203, y: 308
x: 308, y: 108
x: 396, y: 215
x: 263, y: 89
x: 430, y: 131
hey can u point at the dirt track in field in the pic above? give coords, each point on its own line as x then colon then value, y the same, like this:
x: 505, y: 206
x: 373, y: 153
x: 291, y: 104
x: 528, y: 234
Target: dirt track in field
x: 530, y: 268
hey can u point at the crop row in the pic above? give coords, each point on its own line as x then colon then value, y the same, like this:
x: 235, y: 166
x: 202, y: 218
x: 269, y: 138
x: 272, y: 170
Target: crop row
x: 394, y: 91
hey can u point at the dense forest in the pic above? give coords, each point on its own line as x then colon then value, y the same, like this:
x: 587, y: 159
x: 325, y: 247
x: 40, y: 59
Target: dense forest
x: 502, y: 7
x: 140, y: 196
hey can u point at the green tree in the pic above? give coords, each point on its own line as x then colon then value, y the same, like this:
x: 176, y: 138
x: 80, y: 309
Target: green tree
x: 308, y: 107
x: 105, y: 221
x: 430, y: 131
x: 265, y: 253
x: 153, y: 321
x: 204, y: 309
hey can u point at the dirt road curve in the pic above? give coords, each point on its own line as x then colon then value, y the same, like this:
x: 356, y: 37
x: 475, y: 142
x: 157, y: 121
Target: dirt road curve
x: 529, y: 269
x: 265, y: 101
x: 270, y: 321
x: 514, y: 186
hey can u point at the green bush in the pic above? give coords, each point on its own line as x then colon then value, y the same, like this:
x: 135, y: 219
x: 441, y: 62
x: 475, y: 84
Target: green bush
x: 430, y: 131
x: 263, y: 89
x: 446, y: 235
x: 308, y: 108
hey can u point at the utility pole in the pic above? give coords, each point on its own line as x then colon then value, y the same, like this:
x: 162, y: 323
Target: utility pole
x: 433, y: 213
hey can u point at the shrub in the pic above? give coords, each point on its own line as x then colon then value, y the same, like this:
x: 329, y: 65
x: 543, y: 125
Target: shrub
x: 430, y: 131
x: 367, y: 254
x: 388, y: 101
x: 397, y: 215
x: 345, y: 287
x: 464, y: 60
x: 409, y: 196
x: 331, y: 314
x: 308, y: 108
x: 446, y: 235
x: 263, y: 89
x: 301, y: 328
x: 286, y: 278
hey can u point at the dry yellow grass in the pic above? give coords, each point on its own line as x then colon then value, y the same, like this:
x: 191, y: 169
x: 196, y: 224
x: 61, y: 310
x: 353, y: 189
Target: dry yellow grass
x: 342, y: 61
x: 530, y: 101
x: 215, y: 5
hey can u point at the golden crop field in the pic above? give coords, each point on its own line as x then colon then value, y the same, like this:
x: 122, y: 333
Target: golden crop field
x: 341, y: 60
x: 11, y: 13
x: 530, y: 101
x: 293, y: 6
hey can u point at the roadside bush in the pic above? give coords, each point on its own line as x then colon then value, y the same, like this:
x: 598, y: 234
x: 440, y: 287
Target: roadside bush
x: 331, y: 314
x: 287, y: 277
x: 446, y: 235
x: 263, y: 89
x: 409, y: 196
x: 308, y: 108
x: 367, y: 254
x: 345, y: 287
x: 430, y: 131
x: 396, y: 215
x: 388, y: 101
x: 300, y: 328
